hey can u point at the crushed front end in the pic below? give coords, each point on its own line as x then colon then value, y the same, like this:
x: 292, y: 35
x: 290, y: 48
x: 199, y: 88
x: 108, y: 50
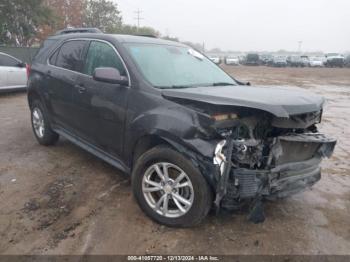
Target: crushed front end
x: 267, y: 158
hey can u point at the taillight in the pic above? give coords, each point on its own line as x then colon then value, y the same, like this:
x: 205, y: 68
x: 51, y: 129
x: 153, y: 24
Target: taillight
x: 28, y: 70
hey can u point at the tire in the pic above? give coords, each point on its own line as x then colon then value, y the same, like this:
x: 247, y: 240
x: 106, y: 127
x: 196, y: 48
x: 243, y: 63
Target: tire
x: 41, y: 125
x: 200, y: 197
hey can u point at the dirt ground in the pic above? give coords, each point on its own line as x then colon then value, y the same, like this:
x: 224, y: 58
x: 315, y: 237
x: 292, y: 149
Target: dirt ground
x: 62, y: 200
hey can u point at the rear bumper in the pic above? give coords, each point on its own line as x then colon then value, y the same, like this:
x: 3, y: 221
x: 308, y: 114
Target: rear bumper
x: 12, y: 89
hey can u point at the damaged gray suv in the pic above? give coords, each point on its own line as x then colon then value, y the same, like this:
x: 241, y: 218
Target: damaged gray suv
x: 192, y: 137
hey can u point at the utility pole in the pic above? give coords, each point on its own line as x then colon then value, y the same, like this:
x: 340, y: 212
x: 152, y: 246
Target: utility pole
x: 138, y: 17
x: 299, y: 46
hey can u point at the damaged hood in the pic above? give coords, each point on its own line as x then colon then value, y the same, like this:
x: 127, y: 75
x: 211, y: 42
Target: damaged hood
x: 277, y: 101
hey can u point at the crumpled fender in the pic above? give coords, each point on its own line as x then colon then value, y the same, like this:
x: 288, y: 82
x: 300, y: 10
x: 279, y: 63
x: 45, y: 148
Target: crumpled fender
x: 182, y: 130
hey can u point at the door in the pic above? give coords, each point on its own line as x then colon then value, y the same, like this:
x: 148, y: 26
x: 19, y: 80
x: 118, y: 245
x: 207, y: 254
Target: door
x: 62, y: 73
x: 102, y: 106
x: 12, y: 72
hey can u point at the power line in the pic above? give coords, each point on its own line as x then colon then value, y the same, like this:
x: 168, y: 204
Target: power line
x: 138, y: 17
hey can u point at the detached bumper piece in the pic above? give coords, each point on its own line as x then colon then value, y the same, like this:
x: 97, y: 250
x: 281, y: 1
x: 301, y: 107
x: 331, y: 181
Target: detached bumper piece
x: 293, y: 166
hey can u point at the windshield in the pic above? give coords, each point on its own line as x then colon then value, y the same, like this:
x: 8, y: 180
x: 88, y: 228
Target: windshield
x: 166, y: 66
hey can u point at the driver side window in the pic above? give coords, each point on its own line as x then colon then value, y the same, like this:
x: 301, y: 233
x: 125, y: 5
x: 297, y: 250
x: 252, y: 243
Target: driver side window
x: 102, y: 55
x: 7, y: 61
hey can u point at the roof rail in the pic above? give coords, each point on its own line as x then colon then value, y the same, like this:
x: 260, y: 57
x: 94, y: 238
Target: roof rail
x: 78, y: 30
x: 145, y: 35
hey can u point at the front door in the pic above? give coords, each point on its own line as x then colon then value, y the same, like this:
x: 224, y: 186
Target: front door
x: 102, y: 106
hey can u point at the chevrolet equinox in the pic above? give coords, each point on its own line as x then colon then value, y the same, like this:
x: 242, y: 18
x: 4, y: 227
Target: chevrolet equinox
x: 191, y: 136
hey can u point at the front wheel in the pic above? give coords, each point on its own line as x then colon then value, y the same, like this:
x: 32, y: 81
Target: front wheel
x: 170, y: 189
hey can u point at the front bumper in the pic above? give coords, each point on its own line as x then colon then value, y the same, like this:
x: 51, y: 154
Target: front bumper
x: 294, y: 165
x: 278, y: 182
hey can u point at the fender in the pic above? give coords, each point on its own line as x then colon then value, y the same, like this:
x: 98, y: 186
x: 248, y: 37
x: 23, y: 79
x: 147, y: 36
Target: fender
x: 182, y: 130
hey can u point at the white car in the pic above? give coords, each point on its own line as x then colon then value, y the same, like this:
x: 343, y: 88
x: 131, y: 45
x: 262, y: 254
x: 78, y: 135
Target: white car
x: 13, y: 73
x: 215, y: 59
x: 232, y: 60
x: 316, y: 62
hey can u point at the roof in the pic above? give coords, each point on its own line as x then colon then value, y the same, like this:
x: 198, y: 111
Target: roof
x: 120, y: 38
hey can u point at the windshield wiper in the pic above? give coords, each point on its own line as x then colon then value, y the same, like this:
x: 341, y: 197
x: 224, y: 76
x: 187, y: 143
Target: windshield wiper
x: 175, y: 86
x: 222, y: 84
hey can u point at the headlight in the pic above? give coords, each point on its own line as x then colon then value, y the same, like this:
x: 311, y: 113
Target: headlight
x: 223, y: 117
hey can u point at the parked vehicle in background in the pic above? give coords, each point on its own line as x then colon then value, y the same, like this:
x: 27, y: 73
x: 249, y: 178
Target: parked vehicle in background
x: 232, y: 60
x: 305, y: 60
x: 347, y: 61
x: 316, y: 61
x: 252, y: 59
x: 279, y: 61
x: 295, y: 61
x: 191, y: 136
x: 242, y: 59
x: 335, y: 60
x: 13, y: 73
x: 266, y: 59
x: 215, y: 59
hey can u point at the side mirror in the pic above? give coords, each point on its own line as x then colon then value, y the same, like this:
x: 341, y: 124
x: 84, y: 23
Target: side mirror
x: 109, y: 75
x: 21, y: 64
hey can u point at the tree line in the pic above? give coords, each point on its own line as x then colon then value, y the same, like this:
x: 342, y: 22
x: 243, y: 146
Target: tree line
x: 29, y: 22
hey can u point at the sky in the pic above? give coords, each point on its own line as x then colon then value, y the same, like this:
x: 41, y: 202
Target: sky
x: 247, y: 25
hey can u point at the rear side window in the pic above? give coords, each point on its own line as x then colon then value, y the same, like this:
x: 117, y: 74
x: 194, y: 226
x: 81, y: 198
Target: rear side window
x: 101, y: 54
x: 70, y: 55
x: 7, y: 61
x: 42, y: 53
x: 53, y: 58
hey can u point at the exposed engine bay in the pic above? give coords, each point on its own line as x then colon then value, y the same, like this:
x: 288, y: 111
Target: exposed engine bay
x: 266, y: 158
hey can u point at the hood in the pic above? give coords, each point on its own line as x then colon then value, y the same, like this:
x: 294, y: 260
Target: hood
x: 277, y: 101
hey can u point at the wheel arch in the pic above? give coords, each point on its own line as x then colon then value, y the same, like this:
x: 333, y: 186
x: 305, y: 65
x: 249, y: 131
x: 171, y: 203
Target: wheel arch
x: 145, y: 143
x: 32, y: 96
x: 200, y: 161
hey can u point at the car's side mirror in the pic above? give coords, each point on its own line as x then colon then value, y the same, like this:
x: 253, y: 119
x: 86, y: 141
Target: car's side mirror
x: 21, y: 64
x: 109, y: 75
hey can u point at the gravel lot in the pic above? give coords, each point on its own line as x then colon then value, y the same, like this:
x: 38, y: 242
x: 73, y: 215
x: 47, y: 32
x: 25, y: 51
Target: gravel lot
x: 62, y: 200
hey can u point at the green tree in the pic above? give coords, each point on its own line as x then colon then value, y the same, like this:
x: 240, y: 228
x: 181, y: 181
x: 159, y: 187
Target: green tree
x: 20, y: 21
x: 103, y: 14
x: 134, y: 30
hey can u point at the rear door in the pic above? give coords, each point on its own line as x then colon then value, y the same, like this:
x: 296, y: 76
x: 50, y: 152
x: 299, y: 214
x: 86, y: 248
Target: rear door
x: 102, y: 106
x: 65, y: 65
x: 12, y: 73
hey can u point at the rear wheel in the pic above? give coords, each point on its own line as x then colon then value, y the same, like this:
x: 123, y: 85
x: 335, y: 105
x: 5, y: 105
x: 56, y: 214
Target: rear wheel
x: 169, y: 189
x: 41, y: 126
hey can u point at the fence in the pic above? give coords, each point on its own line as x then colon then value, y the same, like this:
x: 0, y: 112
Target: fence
x: 24, y: 54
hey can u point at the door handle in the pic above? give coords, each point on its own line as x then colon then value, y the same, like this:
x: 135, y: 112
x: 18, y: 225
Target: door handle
x: 81, y: 88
